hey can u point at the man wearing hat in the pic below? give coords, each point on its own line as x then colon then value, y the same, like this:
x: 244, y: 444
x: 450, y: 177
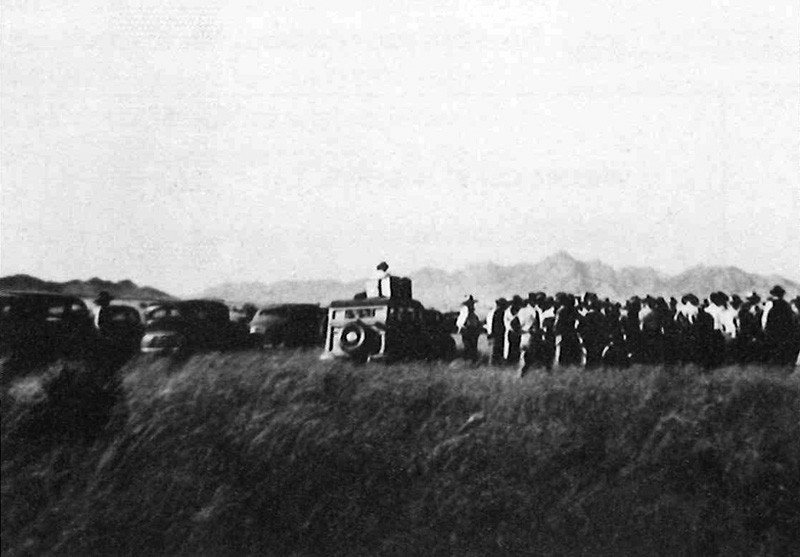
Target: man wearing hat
x: 687, y: 310
x: 718, y: 310
x: 751, y: 335
x: 685, y: 317
x: 593, y: 329
x: 513, y: 330
x: 378, y: 284
x: 101, y: 319
x: 527, y: 324
x: 496, y: 330
x: 778, y: 323
x: 541, y: 347
x: 470, y: 326
x: 569, y: 345
x: 796, y: 309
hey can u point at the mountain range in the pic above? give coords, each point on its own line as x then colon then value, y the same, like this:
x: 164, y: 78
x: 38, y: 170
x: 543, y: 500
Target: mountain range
x: 124, y: 289
x: 487, y: 281
x: 445, y: 290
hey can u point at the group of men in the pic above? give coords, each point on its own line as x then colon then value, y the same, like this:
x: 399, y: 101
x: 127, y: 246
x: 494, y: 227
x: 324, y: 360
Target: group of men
x: 564, y: 330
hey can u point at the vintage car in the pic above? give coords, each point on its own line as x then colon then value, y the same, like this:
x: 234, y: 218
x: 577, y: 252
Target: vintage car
x: 123, y: 326
x: 44, y: 324
x: 290, y: 325
x: 189, y: 325
x: 385, y: 329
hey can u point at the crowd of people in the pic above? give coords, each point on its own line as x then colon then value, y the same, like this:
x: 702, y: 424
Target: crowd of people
x: 567, y: 330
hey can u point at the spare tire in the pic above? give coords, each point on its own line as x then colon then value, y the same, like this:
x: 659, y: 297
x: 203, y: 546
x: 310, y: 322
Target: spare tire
x: 359, y: 341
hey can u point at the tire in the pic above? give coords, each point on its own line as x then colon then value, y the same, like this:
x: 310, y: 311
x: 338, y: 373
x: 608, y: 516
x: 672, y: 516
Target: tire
x: 359, y: 341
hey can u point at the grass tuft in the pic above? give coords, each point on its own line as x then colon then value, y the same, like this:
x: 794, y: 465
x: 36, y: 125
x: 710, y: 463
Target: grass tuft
x: 278, y: 453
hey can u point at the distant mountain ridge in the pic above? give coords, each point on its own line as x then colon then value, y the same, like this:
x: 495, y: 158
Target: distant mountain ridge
x: 124, y: 289
x: 488, y: 281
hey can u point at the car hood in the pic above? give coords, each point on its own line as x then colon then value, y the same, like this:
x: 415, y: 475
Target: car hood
x: 267, y: 320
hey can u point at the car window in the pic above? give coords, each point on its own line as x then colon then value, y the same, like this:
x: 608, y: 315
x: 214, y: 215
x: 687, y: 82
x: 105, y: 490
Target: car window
x: 279, y: 312
x: 78, y: 307
x: 164, y: 312
x: 218, y: 313
x: 55, y: 312
x: 359, y: 313
x: 125, y: 315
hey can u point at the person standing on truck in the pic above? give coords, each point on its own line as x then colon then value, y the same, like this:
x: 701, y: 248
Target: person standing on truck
x: 378, y: 284
x: 470, y: 326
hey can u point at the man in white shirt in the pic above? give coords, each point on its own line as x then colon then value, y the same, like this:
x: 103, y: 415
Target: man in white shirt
x: 527, y: 321
x: 495, y: 330
x: 513, y: 330
x: 470, y: 326
x: 688, y: 308
x: 378, y: 285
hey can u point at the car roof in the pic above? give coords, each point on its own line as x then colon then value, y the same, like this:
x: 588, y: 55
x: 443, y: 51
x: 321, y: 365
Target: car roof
x: 39, y: 295
x: 121, y: 308
x: 289, y: 306
x: 188, y: 304
x: 371, y: 302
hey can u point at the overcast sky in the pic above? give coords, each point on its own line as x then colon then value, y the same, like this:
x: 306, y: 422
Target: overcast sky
x: 184, y: 144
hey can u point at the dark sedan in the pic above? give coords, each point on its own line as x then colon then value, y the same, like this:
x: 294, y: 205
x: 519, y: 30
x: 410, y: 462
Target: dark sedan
x: 288, y: 324
x: 189, y: 325
x: 122, y: 327
x: 43, y: 324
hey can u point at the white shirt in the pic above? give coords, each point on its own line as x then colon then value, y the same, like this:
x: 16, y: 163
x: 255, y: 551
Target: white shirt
x: 545, y: 314
x: 715, y: 311
x: 489, y: 319
x: 508, y: 317
x: 765, y: 315
x: 461, y: 320
x: 729, y: 321
x: 644, y: 312
x: 689, y: 311
x: 378, y: 285
x: 527, y: 318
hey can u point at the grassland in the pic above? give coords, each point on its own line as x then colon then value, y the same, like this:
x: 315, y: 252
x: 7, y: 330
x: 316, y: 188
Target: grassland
x: 257, y: 453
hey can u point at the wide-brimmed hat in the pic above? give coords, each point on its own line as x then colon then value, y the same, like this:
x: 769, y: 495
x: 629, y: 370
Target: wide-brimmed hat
x: 382, y: 266
x: 103, y: 298
x: 718, y: 297
x: 501, y: 301
x: 690, y: 298
x: 469, y: 301
x: 754, y: 298
x: 777, y: 291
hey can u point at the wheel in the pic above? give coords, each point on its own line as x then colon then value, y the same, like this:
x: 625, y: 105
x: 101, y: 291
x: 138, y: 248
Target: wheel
x: 359, y: 341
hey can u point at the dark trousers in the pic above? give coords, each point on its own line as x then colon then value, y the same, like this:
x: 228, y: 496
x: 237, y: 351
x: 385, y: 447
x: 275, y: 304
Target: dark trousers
x: 470, y: 341
x: 513, y: 347
x: 497, y: 349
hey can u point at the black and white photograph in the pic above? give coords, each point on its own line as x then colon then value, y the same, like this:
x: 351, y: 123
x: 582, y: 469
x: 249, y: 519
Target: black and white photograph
x: 399, y: 278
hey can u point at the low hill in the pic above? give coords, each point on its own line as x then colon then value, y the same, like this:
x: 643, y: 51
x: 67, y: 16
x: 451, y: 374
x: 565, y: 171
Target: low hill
x: 123, y: 290
x: 488, y: 281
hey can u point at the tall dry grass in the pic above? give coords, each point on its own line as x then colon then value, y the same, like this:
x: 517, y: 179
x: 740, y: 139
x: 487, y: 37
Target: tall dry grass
x: 280, y: 454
